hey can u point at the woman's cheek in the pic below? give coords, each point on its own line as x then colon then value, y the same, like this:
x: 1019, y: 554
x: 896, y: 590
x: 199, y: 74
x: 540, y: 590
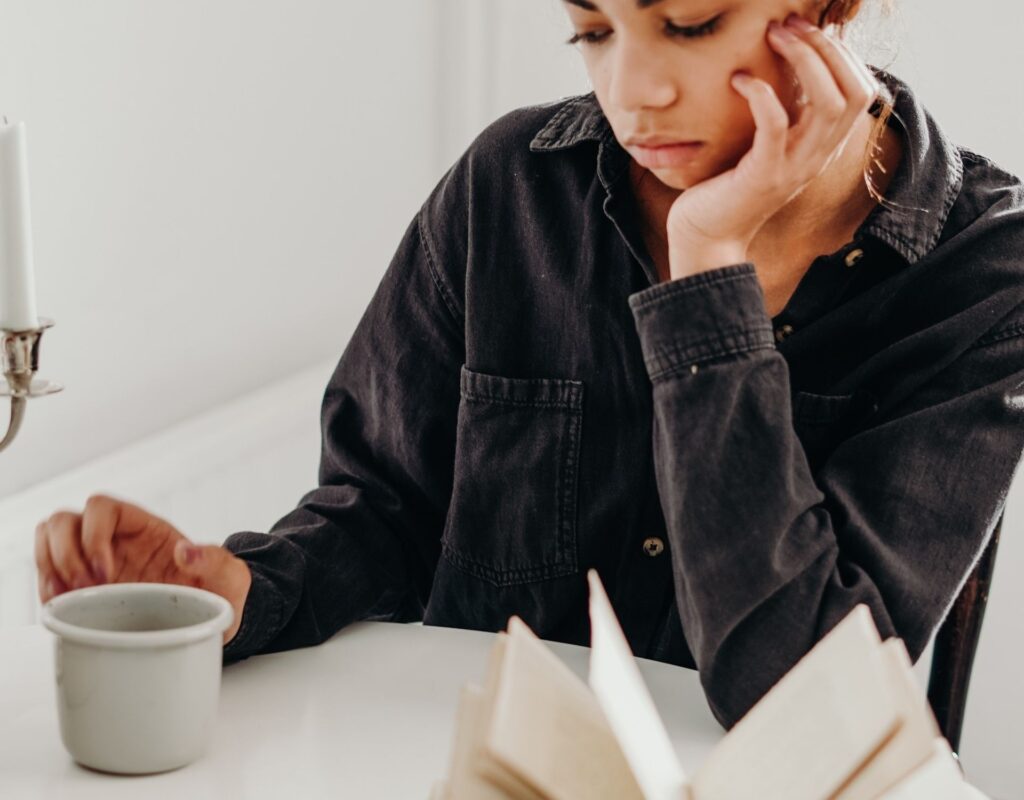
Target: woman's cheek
x: 756, y: 56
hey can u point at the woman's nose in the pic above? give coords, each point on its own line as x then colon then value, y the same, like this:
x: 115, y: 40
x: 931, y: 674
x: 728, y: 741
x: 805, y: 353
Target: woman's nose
x: 639, y: 82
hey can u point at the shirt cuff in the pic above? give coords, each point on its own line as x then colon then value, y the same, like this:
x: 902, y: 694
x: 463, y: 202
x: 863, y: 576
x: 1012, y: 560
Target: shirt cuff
x: 699, y: 318
x: 261, y: 618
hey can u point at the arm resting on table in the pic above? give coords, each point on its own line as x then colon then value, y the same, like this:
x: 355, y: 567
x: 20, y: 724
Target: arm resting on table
x: 768, y: 556
x: 364, y: 543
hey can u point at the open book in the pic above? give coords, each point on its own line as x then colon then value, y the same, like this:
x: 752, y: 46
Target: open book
x: 848, y: 721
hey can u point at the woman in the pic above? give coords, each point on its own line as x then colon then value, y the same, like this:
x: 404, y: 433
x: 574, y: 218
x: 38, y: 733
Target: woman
x: 727, y: 376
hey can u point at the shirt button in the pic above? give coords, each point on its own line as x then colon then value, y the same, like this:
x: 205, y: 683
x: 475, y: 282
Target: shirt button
x: 653, y: 546
x: 783, y: 332
x: 853, y: 257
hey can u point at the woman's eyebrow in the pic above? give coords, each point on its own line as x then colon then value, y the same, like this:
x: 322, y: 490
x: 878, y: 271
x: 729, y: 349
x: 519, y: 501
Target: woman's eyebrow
x: 641, y: 4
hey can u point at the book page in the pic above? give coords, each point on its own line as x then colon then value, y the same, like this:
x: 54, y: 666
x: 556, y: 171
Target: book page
x: 626, y: 701
x: 938, y: 778
x: 464, y: 780
x: 547, y: 728
x: 812, y: 730
x: 490, y: 769
x: 913, y: 743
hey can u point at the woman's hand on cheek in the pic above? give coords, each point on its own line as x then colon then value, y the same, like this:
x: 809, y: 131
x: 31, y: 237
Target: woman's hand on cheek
x: 712, y: 223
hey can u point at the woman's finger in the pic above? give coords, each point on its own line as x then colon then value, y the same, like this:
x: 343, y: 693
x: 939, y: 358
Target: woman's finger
x: 811, y: 142
x: 146, y: 565
x: 170, y: 572
x: 852, y: 76
x: 64, y: 528
x: 44, y: 565
x: 857, y: 94
x: 871, y: 83
x: 102, y: 519
x: 765, y: 162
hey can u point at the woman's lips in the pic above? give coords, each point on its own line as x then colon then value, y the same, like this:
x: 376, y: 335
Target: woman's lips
x: 669, y: 155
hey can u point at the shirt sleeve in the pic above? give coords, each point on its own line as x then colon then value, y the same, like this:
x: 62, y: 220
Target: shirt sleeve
x: 767, y: 556
x: 364, y: 543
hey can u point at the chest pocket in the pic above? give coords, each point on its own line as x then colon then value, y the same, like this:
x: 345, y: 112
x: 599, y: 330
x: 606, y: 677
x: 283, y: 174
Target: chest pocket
x: 512, y: 516
x: 823, y: 421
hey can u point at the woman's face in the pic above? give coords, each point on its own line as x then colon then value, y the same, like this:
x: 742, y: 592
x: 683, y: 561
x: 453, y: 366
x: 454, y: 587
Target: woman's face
x: 652, y: 80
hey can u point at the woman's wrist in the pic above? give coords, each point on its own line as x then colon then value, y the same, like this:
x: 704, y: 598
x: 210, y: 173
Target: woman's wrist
x: 690, y: 259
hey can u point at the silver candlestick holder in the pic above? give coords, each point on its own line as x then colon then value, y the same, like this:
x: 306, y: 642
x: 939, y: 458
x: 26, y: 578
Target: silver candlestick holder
x: 19, y: 357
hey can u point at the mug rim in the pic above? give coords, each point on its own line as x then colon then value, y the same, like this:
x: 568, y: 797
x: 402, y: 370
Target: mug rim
x: 186, y: 634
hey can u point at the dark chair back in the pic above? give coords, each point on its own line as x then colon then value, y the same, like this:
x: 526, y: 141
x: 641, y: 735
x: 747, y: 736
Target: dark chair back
x: 955, y: 644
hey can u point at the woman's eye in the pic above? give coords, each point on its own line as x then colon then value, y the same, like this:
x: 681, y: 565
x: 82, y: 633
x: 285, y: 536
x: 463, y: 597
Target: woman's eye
x: 587, y: 38
x: 694, y: 31
x: 685, y: 31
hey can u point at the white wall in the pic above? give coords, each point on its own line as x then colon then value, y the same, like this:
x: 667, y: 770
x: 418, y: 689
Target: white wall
x: 216, y: 190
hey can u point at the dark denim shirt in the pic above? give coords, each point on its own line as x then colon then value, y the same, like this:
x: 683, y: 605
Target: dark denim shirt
x: 523, y: 400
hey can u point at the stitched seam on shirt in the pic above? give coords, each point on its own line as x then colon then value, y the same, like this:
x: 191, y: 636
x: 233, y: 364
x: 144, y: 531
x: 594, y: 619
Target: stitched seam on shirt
x: 508, y: 401
x: 573, y: 385
x: 998, y: 336
x: 668, y: 358
x: 276, y: 603
x: 550, y: 133
x: 569, y: 480
x: 977, y: 158
x: 682, y: 370
x: 970, y: 155
x: 672, y: 289
x: 886, y: 235
x: 738, y: 337
x: 447, y: 296
x: 956, y: 163
x: 908, y: 248
x: 899, y: 237
x: 510, y: 575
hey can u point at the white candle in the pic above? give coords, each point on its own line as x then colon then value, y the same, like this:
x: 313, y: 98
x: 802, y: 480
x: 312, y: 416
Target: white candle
x: 17, y: 283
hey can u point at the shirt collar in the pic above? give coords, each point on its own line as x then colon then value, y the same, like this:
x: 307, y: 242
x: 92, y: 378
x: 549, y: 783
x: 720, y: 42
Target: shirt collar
x: 917, y: 200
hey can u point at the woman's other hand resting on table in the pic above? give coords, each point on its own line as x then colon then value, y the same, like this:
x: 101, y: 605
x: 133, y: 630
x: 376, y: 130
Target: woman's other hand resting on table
x: 113, y: 541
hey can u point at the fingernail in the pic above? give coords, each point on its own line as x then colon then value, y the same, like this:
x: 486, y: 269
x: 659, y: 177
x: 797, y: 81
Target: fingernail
x: 98, y: 572
x: 782, y: 32
x: 191, y: 554
x: 798, y: 22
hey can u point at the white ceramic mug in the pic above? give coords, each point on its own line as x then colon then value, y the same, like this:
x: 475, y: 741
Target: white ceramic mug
x: 138, y: 669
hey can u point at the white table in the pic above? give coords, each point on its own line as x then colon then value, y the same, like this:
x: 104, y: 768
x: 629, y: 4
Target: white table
x: 368, y: 714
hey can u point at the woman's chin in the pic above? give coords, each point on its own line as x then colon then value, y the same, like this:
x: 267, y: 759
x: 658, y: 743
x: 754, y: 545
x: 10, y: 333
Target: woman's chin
x: 678, y: 178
